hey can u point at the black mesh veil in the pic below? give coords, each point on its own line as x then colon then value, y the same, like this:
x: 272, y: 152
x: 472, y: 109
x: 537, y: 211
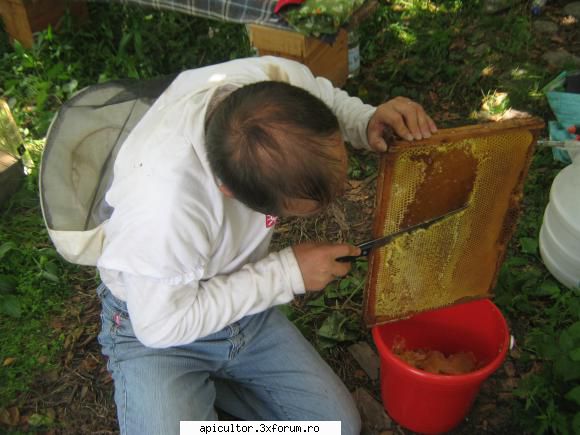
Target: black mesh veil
x: 82, y: 143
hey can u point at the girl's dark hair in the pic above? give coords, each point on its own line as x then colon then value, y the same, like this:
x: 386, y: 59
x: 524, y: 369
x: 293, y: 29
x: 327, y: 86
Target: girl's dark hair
x: 269, y: 142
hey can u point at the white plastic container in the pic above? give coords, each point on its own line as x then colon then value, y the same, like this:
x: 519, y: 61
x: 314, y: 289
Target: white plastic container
x: 560, y: 231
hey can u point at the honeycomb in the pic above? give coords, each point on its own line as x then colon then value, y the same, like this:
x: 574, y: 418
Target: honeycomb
x: 458, y: 258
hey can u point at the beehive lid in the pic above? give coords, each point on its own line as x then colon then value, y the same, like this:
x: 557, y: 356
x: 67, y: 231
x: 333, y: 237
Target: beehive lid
x: 457, y: 259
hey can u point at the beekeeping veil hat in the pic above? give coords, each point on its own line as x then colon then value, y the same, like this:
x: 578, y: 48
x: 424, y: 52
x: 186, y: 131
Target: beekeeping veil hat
x: 77, y: 163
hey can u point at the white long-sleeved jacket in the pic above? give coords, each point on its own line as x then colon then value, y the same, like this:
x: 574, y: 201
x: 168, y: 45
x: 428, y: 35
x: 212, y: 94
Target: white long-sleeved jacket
x: 188, y: 260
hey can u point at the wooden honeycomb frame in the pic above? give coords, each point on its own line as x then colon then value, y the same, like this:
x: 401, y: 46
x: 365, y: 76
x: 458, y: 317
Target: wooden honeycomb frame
x: 459, y: 258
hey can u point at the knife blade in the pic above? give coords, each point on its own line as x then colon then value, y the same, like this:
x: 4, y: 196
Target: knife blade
x: 368, y: 246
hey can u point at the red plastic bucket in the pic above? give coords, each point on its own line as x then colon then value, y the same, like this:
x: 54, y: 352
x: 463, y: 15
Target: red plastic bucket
x: 432, y: 403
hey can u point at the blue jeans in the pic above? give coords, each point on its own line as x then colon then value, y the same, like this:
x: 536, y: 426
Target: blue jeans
x: 260, y: 368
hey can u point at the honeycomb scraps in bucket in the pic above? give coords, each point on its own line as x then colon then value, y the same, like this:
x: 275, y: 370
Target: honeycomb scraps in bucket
x: 434, y: 361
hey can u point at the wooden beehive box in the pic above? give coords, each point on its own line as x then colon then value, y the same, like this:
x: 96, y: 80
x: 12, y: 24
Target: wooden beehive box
x: 323, y: 59
x: 22, y: 18
x: 329, y: 60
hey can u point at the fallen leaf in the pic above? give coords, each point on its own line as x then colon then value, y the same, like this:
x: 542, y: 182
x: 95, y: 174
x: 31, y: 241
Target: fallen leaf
x: 515, y: 353
x: 50, y: 412
x: 360, y: 374
x: 37, y: 419
x: 510, y: 369
x: 354, y: 184
x: 57, y: 324
x: 509, y: 384
x: 68, y: 341
x: 505, y: 396
x: 458, y: 44
x: 568, y: 20
x: 488, y: 408
x: 88, y: 364
x: 10, y: 416
x: 52, y: 376
x: 8, y: 361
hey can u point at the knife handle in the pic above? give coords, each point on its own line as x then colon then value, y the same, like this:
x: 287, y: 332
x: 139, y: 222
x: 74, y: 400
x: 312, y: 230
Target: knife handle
x: 363, y: 253
x: 347, y: 258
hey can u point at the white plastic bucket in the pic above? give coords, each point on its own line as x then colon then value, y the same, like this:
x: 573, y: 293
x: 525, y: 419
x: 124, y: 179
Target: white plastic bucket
x: 560, y: 231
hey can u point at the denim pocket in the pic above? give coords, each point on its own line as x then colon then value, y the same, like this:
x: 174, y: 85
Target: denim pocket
x: 114, y: 317
x: 102, y: 290
x: 122, y: 327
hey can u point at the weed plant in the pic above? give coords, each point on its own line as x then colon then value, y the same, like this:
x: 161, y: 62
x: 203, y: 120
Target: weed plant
x: 446, y: 54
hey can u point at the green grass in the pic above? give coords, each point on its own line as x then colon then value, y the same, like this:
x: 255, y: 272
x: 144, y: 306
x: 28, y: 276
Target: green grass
x: 119, y: 42
x: 547, y: 317
x: 446, y: 54
x: 31, y: 291
x: 34, y: 286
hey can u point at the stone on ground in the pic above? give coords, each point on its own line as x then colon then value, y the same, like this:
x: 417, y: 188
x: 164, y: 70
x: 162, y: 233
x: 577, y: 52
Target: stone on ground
x: 374, y: 418
x: 367, y: 359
